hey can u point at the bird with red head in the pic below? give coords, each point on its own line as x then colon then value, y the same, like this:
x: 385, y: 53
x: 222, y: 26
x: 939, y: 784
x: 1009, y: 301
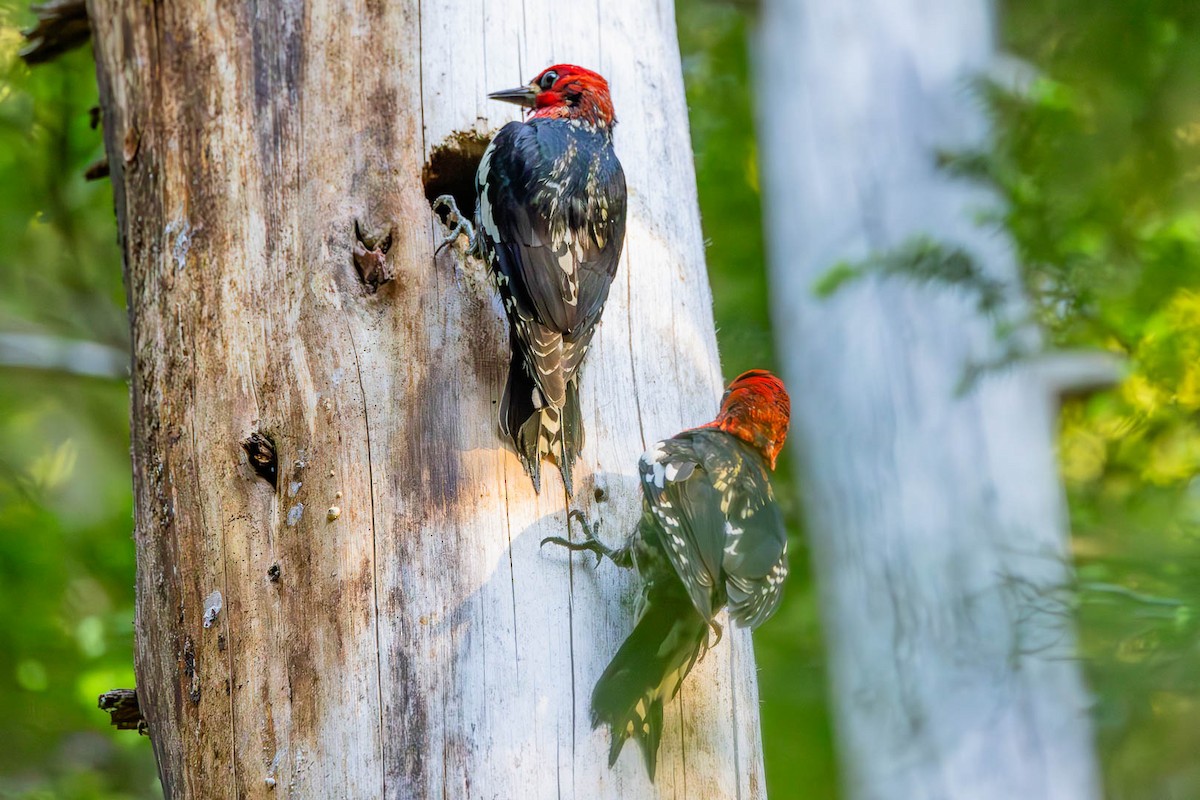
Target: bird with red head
x: 564, y: 91
x: 756, y: 409
x: 550, y: 223
x: 711, y: 536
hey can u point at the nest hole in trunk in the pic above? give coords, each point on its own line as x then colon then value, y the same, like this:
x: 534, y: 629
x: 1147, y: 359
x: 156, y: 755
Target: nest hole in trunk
x: 451, y: 170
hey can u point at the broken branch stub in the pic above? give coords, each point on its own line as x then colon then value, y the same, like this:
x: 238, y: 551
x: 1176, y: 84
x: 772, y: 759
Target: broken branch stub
x: 62, y: 25
x: 124, y: 713
x: 370, y: 258
x: 97, y: 170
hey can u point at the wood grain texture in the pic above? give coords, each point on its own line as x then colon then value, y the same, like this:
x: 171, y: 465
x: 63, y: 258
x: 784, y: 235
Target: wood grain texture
x: 936, y: 516
x: 418, y: 643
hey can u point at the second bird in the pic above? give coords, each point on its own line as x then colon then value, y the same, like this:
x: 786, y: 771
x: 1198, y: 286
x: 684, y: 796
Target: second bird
x: 550, y: 224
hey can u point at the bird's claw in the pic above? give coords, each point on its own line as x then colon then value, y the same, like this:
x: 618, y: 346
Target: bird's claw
x: 457, y: 224
x: 590, y: 529
x: 591, y: 532
x: 591, y: 541
x: 713, y: 627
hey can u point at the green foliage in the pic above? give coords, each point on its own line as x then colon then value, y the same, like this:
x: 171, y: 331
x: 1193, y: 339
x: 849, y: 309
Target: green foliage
x: 922, y: 260
x: 1098, y: 161
x: 66, y: 559
x: 720, y: 94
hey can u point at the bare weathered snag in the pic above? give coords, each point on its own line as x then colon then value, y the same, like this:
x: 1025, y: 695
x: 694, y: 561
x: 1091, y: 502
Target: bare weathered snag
x: 416, y: 643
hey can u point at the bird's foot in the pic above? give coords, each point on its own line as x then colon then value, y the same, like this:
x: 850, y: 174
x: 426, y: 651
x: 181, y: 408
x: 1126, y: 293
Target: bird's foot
x: 590, y: 541
x: 457, y: 224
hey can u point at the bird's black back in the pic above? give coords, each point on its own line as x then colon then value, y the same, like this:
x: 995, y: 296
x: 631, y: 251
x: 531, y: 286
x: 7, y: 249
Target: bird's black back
x: 551, y: 222
x: 552, y: 194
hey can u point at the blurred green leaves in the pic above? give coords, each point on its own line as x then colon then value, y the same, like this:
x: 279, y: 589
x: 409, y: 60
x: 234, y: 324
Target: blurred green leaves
x: 922, y: 260
x: 1098, y: 162
x: 66, y: 559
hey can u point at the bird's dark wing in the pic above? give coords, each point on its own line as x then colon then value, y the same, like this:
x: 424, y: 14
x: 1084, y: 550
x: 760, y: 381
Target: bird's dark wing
x: 755, y: 551
x: 712, y: 496
x: 755, y: 562
x: 686, y: 505
x: 552, y: 203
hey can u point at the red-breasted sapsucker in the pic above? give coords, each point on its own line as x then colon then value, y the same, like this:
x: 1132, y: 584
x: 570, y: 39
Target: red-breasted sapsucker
x: 710, y: 536
x: 550, y: 223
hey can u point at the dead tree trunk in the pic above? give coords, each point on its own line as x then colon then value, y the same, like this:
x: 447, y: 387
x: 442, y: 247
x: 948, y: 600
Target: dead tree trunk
x: 374, y: 616
x: 936, y: 515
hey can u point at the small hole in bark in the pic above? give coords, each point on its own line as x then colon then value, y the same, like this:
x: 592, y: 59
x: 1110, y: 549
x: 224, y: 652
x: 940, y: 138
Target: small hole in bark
x: 600, y: 495
x: 261, y: 452
x: 273, y: 573
x: 189, y: 670
x: 451, y: 170
x: 133, y: 142
x: 373, y: 240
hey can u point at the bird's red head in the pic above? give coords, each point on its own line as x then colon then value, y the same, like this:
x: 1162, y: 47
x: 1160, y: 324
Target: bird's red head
x: 565, y: 91
x: 756, y: 409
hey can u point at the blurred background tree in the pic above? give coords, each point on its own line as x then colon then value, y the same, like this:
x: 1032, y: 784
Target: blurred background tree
x: 1097, y: 159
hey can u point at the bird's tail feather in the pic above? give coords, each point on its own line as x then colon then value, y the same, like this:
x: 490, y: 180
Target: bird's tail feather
x: 572, y: 433
x: 646, y: 672
x: 537, y: 429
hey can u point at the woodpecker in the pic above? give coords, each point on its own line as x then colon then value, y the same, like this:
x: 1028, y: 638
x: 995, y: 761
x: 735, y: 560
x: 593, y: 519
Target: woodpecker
x: 711, y: 535
x: 550, y: 224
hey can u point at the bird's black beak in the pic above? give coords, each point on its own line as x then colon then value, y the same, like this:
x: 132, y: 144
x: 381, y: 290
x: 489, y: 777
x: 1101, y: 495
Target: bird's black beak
x: 522, y: 96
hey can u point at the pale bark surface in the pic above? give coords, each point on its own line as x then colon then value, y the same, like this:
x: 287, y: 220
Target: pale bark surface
x: 420, y: 643
x: 936, y: 517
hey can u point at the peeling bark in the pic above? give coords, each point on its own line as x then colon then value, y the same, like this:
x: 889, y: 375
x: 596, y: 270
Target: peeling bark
x: 418, y: 642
